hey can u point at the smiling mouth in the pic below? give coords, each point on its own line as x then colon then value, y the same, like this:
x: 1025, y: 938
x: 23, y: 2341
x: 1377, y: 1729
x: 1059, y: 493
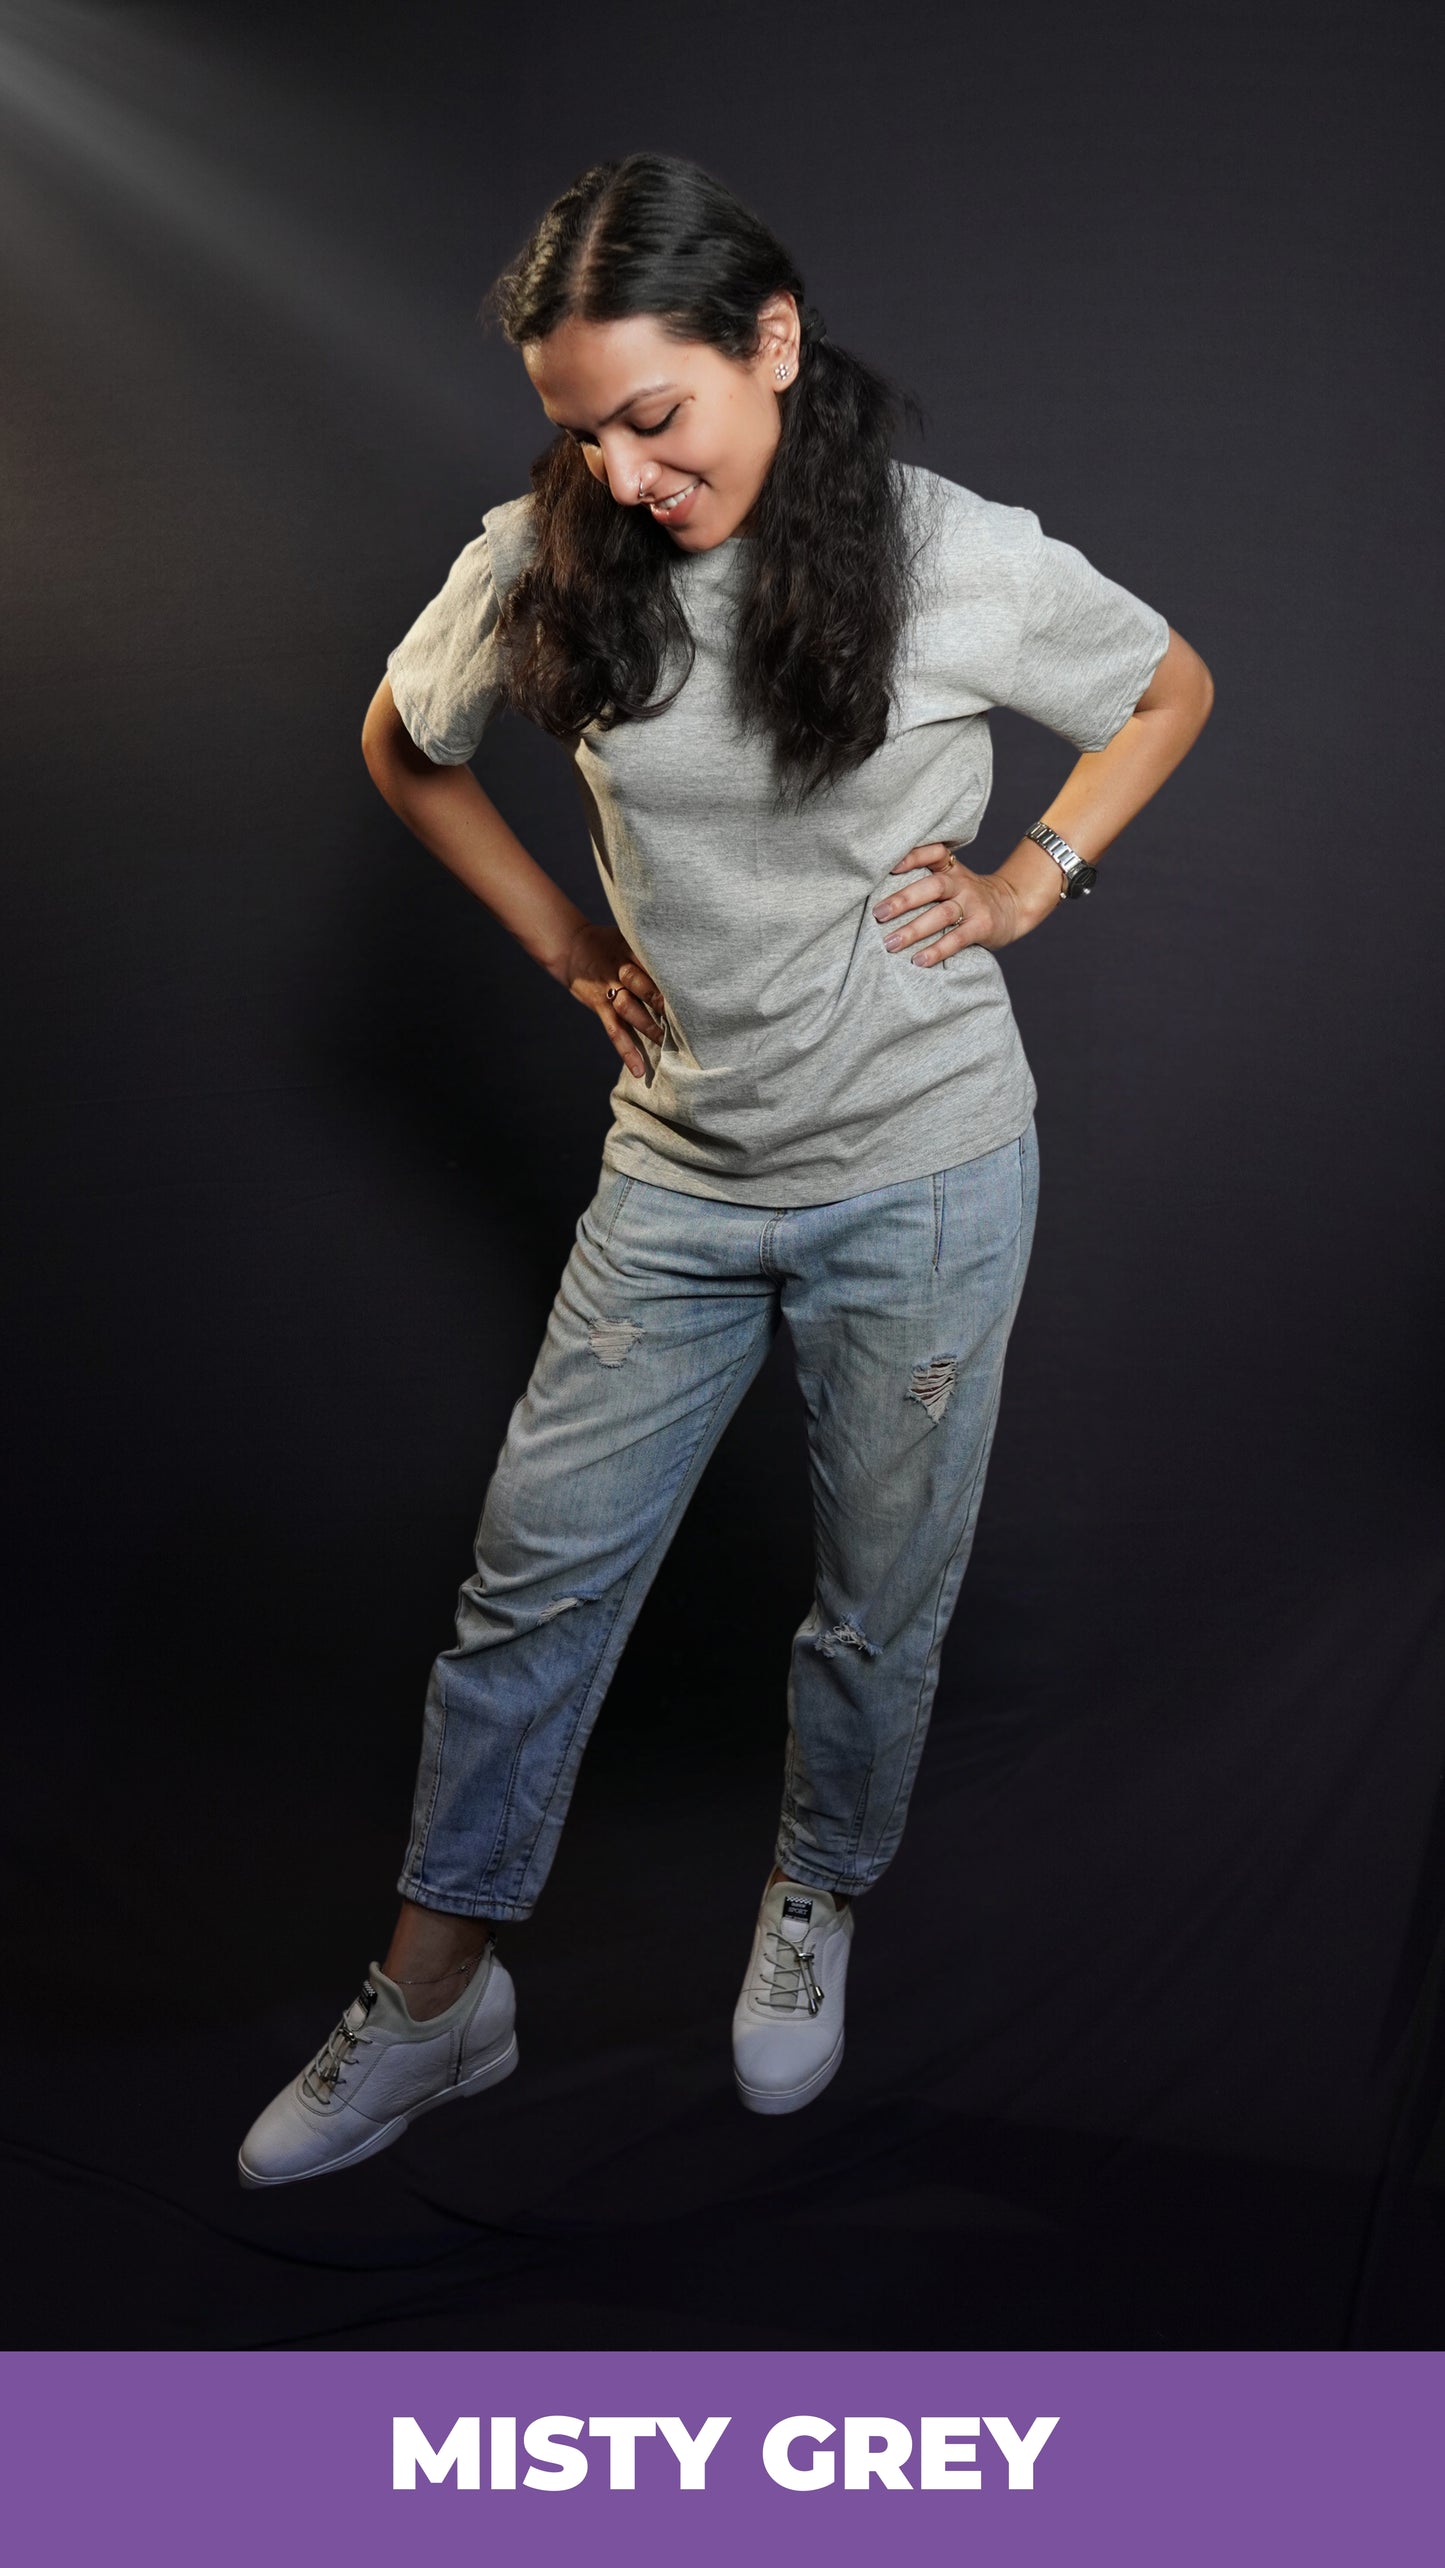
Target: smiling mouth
x: 671, y: 501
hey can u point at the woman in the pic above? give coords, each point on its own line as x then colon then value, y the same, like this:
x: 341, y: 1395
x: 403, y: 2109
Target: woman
x: 769, y: 650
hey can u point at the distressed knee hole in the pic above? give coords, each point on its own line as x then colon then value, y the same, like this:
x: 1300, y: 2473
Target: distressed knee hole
x: 564, y: 1605
x: 844, y: 1636
x: 612, y: 1341
x: 932, y: 1384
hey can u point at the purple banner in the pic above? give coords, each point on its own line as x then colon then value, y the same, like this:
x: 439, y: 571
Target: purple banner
x: 1013, y: 2459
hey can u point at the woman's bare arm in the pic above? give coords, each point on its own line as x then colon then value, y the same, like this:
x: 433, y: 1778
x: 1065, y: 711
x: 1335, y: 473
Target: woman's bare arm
x: 448, y: 811
x: 1097, y: 799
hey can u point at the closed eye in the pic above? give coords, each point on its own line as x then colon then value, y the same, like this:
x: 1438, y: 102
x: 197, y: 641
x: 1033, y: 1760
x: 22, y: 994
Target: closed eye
x: 579, y: 439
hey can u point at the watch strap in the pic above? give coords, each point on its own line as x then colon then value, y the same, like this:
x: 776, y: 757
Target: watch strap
x: 1079, y: 875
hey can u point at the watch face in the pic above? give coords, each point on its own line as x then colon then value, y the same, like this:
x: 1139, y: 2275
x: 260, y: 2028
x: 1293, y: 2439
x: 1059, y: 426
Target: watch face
x: 1081, y: 885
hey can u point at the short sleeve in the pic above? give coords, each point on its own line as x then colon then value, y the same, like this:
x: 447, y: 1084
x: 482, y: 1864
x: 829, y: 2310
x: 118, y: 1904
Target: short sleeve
x: 1087, y: 648
x: 445, y: 672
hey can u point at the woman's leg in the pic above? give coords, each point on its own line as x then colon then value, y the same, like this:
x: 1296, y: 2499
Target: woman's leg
x: 900, y: 1304
x: 663, y: 1317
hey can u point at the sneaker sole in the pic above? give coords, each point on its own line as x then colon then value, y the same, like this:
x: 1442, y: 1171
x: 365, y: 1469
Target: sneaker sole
x: 489, y: 2072
x: 790, y: 2099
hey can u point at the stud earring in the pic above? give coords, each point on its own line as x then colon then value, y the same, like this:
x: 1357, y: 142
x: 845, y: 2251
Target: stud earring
x: 780, y: 370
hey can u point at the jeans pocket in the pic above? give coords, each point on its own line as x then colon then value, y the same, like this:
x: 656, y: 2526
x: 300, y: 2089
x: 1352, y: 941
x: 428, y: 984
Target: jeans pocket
x: 600, y: 1215
x: 985, y: 1199
x: 610, y: 1200
x: 1029, y: 1170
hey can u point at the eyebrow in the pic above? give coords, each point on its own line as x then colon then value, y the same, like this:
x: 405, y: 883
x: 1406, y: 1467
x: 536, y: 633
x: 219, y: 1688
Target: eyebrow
x: 649, y: 392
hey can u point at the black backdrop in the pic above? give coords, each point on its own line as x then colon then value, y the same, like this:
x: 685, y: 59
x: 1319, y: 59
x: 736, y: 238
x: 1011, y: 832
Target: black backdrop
x: 1143, y: 2041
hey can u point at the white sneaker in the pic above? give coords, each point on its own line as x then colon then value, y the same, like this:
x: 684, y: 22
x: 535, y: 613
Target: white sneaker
x: 377, y: 2071
x: 788, y: 2022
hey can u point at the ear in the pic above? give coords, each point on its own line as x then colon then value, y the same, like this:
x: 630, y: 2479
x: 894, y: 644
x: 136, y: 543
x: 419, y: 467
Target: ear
x: 780, y: 335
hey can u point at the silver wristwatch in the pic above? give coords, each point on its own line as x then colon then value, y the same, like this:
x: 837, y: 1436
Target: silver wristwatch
x: 1079, y: 875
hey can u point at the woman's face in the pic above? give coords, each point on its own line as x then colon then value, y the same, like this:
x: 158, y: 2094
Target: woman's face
x: 655, y: 415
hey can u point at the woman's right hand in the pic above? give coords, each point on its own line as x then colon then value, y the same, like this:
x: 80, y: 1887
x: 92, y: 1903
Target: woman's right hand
x: 600, y: 962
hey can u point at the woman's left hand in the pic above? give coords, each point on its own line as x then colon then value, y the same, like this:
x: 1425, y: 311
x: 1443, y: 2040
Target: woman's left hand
x: 971, y: 909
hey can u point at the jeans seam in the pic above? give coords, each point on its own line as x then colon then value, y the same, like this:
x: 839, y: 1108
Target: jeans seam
x: 860, y: 1813
x: 500, y: 1831
x: 912, y: 1754
x: 910, y: 1759
x: 421, y: 1838
x: 677, y: 1504
x: 513, y: 1910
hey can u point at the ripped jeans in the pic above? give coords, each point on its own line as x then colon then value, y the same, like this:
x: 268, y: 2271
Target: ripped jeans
x: 899, y: 1305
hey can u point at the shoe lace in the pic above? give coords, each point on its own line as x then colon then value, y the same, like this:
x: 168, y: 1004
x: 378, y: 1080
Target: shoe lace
x: 789, y: 1969
x: 321, y: 2078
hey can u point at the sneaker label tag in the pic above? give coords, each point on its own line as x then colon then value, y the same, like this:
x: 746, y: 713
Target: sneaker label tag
x: 801, y: 1908
x: 358, y: 2011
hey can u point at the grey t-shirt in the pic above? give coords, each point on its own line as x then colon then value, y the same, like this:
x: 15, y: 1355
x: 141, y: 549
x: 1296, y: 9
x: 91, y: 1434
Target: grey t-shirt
x: 804, y: 1062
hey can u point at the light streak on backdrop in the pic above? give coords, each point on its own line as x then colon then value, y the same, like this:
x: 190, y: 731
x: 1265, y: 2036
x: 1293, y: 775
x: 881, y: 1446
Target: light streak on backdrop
x: 105, y: 109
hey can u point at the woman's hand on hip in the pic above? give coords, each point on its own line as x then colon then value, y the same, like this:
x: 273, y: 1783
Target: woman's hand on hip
x: 604, y: 973
x: 968, y: 908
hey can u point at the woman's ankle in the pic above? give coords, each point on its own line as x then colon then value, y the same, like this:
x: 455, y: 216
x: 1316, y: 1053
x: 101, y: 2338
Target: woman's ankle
x: 433, y: 1958
x: 425, y: 1998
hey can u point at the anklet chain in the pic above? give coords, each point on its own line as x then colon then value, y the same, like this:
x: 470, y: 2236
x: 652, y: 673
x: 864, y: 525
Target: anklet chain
x: 458, y: 1973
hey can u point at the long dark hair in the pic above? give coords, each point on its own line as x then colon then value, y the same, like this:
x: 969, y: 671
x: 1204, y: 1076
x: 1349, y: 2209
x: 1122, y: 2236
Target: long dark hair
x: 829, y: 584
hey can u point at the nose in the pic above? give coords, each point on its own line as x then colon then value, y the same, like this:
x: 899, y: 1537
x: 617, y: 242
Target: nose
x: 632, y: 483
x: 631, y: 478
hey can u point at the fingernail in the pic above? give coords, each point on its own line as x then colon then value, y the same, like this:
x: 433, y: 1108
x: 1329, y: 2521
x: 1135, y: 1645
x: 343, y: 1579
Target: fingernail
x: 892, y: 943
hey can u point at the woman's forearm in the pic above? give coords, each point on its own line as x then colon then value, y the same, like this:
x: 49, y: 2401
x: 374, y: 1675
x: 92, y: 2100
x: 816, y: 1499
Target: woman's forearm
x: 1101, y: 795
x: 448, y: 811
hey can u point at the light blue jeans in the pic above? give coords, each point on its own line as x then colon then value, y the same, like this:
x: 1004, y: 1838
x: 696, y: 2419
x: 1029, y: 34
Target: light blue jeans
x: 899, y: 1305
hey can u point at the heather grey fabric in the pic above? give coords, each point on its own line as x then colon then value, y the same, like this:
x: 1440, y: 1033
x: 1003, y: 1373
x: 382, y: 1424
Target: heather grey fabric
x: 803, y: 1062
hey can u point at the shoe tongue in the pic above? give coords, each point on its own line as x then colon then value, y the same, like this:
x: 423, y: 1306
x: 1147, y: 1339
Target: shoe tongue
x: 377, y: 1997
x: 361, y: 2007
x: 799, y: 1909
